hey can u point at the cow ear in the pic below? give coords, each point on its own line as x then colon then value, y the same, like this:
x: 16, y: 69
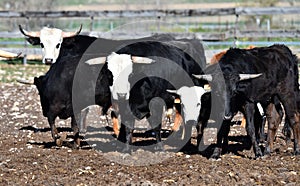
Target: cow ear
x: 33, y: 40
x: 143, y: 60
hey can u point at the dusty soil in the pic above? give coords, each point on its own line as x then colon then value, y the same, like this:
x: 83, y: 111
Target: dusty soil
x: 28, y: 156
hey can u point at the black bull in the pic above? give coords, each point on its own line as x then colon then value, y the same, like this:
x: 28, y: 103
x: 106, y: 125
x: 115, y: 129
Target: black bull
x: 57, y: 85
x: 278, y: 70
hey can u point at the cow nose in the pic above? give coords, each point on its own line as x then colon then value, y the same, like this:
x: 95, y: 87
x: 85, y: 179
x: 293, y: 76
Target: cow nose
x: 227, y: 117
x: 121, y: 96
x: 191, y: 122
x: 48, y: 61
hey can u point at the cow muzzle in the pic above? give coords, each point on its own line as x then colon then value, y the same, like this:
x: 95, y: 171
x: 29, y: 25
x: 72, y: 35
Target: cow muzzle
x: 191, y: 122
x: 122, y: 96
x: 227, y: 117
x: 48, y: 61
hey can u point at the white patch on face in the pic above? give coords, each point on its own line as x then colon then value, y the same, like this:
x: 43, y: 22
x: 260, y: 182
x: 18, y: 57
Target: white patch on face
x: 120, y: 66
x: 51, y: 39
x: 191, y: 101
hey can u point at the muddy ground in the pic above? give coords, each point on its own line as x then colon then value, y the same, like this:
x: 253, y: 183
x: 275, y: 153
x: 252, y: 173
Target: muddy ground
x: 28, y: 156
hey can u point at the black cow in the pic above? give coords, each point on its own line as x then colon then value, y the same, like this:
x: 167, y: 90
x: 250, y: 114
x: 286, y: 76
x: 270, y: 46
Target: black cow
x: 55, y: 88
x: 252, y: 76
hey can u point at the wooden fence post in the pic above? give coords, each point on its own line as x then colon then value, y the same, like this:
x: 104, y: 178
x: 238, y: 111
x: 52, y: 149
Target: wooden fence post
x: 235, y: 29
x: 92, y: 23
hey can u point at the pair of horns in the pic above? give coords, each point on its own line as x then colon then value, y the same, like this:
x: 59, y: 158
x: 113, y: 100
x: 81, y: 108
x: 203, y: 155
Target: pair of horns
x: 135, y: 59
x: 9, y: 55
x: 208, y: 77
x: 37, y: 34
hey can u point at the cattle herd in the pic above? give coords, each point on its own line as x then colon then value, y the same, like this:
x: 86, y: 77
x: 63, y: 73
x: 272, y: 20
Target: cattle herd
x: 138, y: 78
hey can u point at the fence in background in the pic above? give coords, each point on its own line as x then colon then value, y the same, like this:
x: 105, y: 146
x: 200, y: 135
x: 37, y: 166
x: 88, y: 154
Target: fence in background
x: 233, y: 33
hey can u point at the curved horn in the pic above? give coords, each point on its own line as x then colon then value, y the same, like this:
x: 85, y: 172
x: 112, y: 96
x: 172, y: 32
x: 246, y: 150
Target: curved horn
x: 9, y: 54
x: 248, y: 76
x: 71, y: 34
x: 29, y: 34
x: 24, y: 81
x: 172, y: 91
x: 207, y: 77
x: 143, y: 60
x: 96, y: 61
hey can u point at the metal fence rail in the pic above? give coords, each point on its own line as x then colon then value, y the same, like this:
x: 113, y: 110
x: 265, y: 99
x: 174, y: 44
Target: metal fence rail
x: 153, y: 13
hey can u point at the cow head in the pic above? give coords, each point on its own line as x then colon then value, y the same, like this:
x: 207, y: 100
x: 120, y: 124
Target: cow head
x: 50, y: 40
x: 121, y: 67
x: 191, y: 102
x: 228, y: 91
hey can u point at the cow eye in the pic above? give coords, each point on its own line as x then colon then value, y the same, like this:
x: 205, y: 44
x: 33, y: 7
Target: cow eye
x: 42, y: 45
x: 198, y: 104
x: 58, y: 45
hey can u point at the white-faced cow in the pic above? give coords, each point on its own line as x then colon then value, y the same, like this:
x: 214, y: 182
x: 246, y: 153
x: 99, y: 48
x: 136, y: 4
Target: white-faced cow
x: 252, y: 76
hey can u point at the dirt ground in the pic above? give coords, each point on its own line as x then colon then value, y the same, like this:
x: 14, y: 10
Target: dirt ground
x: 28, y: 156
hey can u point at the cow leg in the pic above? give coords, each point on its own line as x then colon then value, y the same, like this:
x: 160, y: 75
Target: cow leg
x: 274, y: 119
x: 125, y: 137
x: 128, y: 132
x: 83, y: 117
x: 293, y: 116
x: 156, y: 107
x: 225, y: 137
x: 54, y: 132
x: 116, y: 123
x: 250, y: 127
x: 259, y: 123
x: 75, y: 129
x: 295, y: 125
x: 178, y: 118
x: 286, y: 130
x: 224, y: 130
x: 200, y: 131
x: 261, y: 129
x: 128, y: 126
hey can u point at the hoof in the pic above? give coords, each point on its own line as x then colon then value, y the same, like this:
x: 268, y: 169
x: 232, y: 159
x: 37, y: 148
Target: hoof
x: 159, y: 147
x: 267, y: 151
x: 258, y: 154
x: 60, y: 139
x: 297, y: 152
x: 126, y: 150
x: 75, y: 146
x: 59, y: 142
x: 216, y: 154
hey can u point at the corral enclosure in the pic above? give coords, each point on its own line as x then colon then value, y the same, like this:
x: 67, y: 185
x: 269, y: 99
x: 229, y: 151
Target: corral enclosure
x: 28, y: 156
x: 231, y: 23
